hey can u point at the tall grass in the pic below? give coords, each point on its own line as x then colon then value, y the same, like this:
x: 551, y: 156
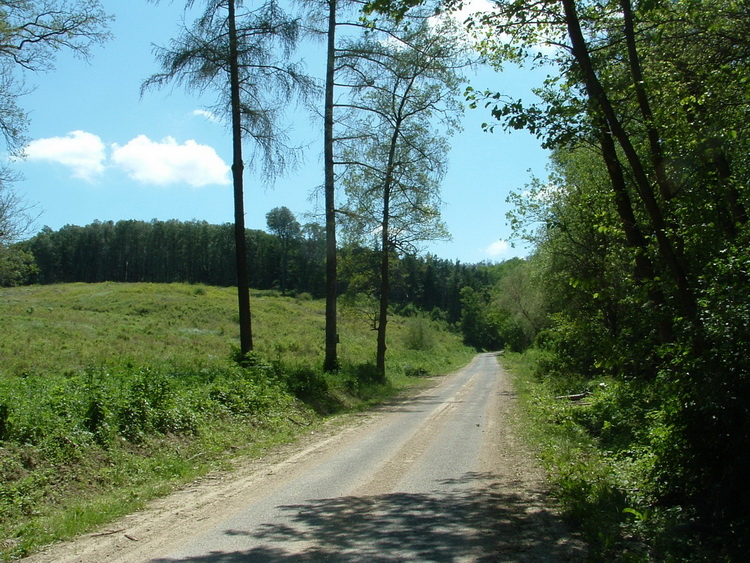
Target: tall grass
x: 111, y: 394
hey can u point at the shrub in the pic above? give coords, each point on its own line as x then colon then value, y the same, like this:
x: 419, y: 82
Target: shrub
x: 310, y: 386
x: 4, y: 416
x: 419, y: 334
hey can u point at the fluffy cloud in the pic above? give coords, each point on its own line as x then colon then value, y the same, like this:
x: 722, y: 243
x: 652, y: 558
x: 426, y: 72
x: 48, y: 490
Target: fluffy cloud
x: 167, y: 162
x: 149, y: 162
x: 497, y: 248
x: 84, y: 153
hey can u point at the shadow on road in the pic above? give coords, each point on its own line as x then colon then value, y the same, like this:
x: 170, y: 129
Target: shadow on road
x: 458, y: 523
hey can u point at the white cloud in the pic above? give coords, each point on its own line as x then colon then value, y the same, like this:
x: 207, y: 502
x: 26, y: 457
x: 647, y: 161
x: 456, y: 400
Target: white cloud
x: 167, y: 162
x: 497, y: 248
x: 211, y: 116
x: 82, y: 152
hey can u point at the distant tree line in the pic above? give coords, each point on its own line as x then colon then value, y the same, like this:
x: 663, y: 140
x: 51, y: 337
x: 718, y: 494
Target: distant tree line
x: 291, y: 260
x: 169, y: 251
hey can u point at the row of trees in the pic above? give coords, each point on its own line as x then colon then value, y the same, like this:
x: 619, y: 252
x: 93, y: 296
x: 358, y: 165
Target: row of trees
x: 289, y: 258
x: 388, y: 85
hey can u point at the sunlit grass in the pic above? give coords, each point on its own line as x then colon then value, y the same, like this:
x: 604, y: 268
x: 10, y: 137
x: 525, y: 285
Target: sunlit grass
x: 75, y: 326
x: 112, y: 394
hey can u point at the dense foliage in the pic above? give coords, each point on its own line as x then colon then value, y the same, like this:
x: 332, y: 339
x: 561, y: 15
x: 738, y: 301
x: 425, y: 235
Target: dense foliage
x: 641, y: 236
x: 641, y: 247
x: 637, y: 296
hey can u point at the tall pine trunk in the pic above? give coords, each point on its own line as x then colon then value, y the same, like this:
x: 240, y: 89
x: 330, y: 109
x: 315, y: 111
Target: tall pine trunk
x: 331, y: 362
x: 243, y: 278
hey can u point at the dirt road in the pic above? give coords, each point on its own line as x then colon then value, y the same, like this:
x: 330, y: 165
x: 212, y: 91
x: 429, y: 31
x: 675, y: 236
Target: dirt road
x: 440, y: 477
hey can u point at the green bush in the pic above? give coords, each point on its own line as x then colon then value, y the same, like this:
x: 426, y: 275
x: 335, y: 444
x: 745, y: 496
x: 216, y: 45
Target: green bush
x: 419, y: 334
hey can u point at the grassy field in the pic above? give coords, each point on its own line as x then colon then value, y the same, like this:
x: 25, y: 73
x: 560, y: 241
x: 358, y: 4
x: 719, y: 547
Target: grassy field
x: 112, y: 394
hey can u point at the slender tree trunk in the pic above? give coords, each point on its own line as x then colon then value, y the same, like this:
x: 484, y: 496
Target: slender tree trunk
x: 598, y: 96
x: 384, y: 287
x: 639, y: 84
x: 243, y: 277
x: 331, y: 362
x: 385, y: 258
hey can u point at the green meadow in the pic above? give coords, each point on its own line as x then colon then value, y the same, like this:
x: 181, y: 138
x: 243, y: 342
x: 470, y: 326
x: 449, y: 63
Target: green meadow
x: 113, y: 394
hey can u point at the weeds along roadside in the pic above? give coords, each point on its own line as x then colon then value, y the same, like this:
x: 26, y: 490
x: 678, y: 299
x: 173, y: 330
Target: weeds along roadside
x: 82, y: 446
x: 597, y: 440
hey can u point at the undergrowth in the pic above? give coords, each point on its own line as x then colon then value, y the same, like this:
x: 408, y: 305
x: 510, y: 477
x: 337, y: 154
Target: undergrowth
x: 598, y: 440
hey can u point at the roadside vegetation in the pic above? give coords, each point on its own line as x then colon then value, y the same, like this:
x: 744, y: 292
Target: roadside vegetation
x: 632, y: 310
x: 598, y: 441
x: 112, y: 394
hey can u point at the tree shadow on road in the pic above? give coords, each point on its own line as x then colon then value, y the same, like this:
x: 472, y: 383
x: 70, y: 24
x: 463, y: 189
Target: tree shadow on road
x: 482, y: 523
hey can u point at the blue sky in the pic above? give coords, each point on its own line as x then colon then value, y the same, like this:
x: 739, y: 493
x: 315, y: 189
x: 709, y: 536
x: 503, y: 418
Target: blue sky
x: 101, y: 151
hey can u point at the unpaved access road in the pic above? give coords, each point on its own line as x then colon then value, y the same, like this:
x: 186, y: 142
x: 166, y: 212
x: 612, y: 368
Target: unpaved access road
x: 441, y: 476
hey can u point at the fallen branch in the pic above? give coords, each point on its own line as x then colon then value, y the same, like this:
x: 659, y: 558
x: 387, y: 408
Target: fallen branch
x: 574, y: 397
x: 107, y: 533
x: 298, y: 423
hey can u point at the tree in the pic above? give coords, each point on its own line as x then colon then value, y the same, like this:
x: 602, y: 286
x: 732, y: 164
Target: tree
x: 331, y: 362
x: 31, y: 32
x: 661, y: 84
x: 400, y: 87
x: 284, y: 225
x: 16, y: 217
x: 243, y: 57
x: 337, y: 15
x: 644, y: 223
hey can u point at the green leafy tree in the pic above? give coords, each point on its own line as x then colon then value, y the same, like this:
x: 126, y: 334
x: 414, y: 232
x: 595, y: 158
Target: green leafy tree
x: 284, y: 225
x: 31, y: 32
x: 332, y: 19
x: 642, y: 223
x: 394, y: 157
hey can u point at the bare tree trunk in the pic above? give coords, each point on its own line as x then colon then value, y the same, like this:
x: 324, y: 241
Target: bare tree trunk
x: 639, y: 84
x: 384, y: 286
x: 644, y: 268
x: 331, y: 362
x: 386, y: 250
x: 243, y: 278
